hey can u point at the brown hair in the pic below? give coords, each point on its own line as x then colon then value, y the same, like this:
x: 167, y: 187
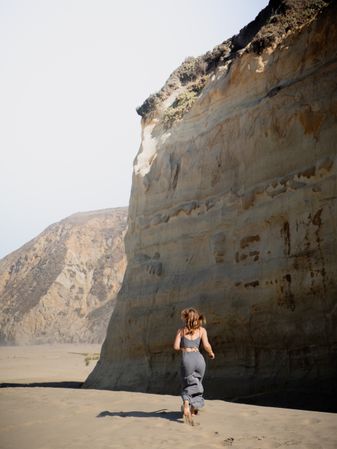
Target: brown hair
x: 192, y: 319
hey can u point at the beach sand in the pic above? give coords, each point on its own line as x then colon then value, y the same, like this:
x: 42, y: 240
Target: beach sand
x: 43, y: 417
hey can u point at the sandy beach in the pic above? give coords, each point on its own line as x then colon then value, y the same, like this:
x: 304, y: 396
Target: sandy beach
x: 45, y: 417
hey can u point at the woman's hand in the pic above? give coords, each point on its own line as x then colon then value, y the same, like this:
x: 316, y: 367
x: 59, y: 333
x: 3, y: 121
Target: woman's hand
x: 211, y: 355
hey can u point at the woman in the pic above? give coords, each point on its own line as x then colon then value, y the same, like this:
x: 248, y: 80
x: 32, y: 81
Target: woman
x: 192, y: 364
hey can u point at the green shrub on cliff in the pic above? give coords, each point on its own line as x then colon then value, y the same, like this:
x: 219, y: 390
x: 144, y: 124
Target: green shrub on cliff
x: 183, y: 102
x: 190, y: 70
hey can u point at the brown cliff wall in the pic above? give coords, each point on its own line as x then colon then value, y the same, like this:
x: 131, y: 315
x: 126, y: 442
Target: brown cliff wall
x: 233, y: 210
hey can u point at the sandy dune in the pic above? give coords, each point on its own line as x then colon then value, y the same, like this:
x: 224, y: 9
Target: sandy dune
x: 56, y: 418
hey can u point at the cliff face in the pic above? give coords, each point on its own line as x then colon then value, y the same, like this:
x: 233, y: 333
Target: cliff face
x: 233, y: 210
x: 61, y: 286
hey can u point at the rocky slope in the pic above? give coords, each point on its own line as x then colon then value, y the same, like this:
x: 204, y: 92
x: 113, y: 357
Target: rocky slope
x: 233, y: 210
x: 61, y: 286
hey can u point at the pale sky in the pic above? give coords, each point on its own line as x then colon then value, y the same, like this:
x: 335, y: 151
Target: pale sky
x: 72, y: 73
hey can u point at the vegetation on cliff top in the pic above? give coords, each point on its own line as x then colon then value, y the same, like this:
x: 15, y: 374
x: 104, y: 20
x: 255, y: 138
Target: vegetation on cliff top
x: 183, y: 102
x: 278, y: 18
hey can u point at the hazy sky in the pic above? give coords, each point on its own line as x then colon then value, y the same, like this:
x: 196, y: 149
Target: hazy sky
x: 72, y: 73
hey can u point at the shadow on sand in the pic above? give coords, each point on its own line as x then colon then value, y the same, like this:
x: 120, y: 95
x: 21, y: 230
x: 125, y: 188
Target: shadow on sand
x: 300, y: 400
x: 163, y: 413
x: 63, y: 384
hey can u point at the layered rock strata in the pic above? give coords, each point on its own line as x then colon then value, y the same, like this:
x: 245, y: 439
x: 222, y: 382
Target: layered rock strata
x: 233, y: 210
x: 61, y: 286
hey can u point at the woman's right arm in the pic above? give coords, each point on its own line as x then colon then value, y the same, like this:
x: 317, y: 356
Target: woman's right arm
x: 206, y: 344
x: 176, y: 344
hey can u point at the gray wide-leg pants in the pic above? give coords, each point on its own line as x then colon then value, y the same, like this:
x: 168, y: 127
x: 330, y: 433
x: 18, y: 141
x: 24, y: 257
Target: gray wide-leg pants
x: 192, y: 371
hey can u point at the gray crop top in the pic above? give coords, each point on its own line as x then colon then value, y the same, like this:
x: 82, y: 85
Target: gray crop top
x: 187, y: 343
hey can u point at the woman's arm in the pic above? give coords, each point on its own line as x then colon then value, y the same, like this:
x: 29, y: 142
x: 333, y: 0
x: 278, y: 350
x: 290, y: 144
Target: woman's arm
x: 206, y: 344
x: 176, y: 344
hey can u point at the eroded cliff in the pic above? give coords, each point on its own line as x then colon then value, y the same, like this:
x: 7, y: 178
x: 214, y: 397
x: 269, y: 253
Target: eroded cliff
x: 233, y: 210
x: 61, y: 286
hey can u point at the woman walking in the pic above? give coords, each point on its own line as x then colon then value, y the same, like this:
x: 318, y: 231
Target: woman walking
x: 193, y: 364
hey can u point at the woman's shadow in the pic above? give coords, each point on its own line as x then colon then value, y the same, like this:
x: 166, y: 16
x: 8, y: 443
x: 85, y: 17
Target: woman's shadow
x: 163, y: 413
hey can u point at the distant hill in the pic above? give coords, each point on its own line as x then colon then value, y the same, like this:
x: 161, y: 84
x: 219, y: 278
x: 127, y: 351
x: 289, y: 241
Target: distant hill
x: 61, y: 286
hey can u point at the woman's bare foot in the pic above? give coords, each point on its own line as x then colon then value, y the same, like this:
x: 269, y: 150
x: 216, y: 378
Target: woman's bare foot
x: 187, y: 413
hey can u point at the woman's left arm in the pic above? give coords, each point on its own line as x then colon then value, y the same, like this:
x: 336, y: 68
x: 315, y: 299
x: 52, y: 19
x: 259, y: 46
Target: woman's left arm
x: 176, y: 344
x: 206, y: 344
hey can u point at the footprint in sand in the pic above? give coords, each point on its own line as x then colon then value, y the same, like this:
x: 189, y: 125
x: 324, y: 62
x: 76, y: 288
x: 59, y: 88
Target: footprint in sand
x: 253, y: 437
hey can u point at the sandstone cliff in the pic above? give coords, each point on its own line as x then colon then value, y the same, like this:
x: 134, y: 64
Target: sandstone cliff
x: 233, y: 210
x: 61, y: 286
